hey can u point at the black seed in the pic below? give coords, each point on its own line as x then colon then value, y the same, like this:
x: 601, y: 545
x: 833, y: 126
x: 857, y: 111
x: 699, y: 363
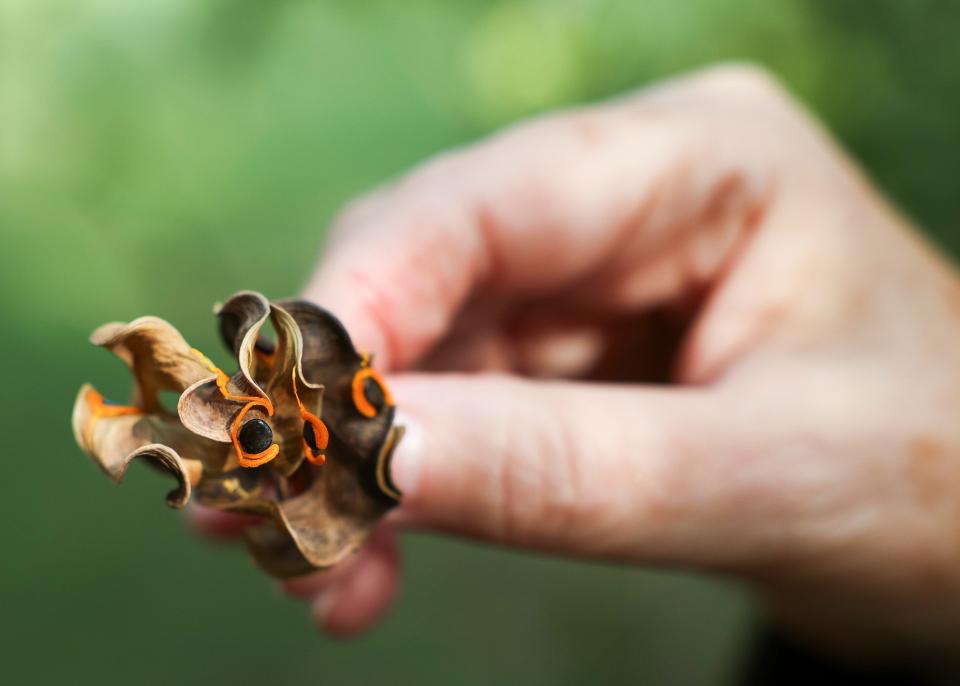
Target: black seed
x: 309, y: 436
x: 373, y: 393
x: 265, y: 345
x: 255, y: 436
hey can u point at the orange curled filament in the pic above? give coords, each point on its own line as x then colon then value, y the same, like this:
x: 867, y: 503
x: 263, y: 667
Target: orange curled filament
x: 264, y: 357
x: 99, y: 408
x: 360, y: 401
x: 244, y: 458
x: 320, y: 433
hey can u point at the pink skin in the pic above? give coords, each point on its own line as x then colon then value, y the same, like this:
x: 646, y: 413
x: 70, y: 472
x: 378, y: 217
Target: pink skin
x: 809, y: 439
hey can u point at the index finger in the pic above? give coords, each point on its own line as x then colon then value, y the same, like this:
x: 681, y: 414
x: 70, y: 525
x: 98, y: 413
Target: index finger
x: 535, y: 209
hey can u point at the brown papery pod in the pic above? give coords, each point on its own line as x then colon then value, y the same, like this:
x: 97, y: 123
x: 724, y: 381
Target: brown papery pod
x: 301, y: 434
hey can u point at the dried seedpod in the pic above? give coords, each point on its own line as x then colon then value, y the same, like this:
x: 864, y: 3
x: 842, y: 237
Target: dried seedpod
x: 302, y: 434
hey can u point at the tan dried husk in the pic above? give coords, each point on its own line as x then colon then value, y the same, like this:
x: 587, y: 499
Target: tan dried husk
x: 314, y: 516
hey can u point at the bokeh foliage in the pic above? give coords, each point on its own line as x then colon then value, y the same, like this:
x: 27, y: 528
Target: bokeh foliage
x: 156, y: 155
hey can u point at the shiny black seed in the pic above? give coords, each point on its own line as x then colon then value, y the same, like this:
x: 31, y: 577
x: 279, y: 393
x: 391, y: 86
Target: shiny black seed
x: 265, y: 345
x: 310, y: 437
x: 255, y: 436
x: 373, y: 393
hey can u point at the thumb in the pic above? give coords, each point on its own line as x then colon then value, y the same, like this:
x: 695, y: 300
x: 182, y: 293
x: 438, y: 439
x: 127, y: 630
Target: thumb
x: 610, y: 471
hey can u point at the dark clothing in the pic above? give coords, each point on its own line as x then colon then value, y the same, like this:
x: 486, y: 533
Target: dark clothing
x: 779, y: 661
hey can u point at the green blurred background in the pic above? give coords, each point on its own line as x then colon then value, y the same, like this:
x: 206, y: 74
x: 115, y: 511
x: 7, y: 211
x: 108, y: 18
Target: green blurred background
x: 157, y: 155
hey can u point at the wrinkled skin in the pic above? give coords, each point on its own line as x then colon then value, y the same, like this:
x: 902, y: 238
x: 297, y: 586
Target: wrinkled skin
x: 704, y: 232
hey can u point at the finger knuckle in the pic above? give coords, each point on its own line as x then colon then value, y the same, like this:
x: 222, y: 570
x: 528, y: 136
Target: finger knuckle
x: 354, y: 214
x: 744, y: 78
x: 540, y: 494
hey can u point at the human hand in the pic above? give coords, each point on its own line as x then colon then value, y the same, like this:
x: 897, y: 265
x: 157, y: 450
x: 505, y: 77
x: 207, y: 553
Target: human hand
x: 704, y: 232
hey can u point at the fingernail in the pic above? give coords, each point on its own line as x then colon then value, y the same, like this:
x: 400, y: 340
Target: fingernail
x: 407, y: 459
x: 322, y: 606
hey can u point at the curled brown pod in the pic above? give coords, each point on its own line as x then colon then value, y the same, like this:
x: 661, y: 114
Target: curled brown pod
x: 301, y: 434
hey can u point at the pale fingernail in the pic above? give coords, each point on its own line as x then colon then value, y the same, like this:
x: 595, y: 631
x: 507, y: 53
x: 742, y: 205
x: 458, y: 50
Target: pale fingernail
x: 322, y: 606
x: 407, y: 460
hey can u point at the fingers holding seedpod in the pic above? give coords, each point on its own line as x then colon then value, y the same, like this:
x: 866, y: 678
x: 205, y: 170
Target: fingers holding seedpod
x: 356, y: 593
x: 687, y: 477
